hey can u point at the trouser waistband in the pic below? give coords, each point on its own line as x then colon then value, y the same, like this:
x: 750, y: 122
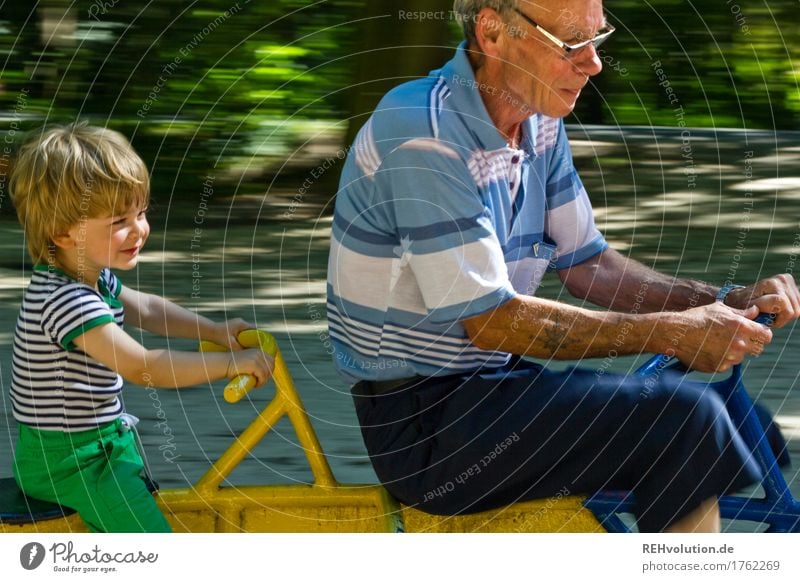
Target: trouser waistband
x: 371, y: 388
x: 60, y: 439
x: 381, y: 388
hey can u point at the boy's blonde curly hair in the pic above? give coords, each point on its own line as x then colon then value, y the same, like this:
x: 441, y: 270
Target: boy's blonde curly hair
x: 70, y: 173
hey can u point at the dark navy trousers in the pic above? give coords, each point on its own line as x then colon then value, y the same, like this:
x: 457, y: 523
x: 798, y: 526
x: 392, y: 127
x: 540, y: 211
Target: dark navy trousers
x: 468, y: 443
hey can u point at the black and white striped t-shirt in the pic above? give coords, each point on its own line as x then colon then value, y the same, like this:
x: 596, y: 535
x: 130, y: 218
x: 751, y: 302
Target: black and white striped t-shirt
x: 55, y: 385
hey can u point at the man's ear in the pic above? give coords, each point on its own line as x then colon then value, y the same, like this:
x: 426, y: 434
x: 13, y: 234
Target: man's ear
x: 489, y: 31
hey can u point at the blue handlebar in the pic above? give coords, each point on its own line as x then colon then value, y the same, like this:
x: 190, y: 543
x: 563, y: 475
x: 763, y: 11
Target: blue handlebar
x: 766, y: 318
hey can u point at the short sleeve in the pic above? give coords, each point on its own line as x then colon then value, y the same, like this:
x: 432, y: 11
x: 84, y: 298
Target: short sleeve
x: 570, y: 220
x: 445, y: 231
x: 71, y: 311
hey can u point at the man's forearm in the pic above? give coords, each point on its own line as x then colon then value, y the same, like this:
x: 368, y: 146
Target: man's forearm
x: 547, y: 329
x: 709, y: 338
x: 617, y: 282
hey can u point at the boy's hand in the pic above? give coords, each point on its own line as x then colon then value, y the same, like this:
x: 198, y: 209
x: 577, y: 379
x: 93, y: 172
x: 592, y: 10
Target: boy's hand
x: 254, y: 362
x: 226, y: 332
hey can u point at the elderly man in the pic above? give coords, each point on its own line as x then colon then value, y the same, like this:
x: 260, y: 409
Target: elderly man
x: 458, y: 195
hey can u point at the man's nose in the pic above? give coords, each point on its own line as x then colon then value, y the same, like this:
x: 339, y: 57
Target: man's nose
x: 587, y: 61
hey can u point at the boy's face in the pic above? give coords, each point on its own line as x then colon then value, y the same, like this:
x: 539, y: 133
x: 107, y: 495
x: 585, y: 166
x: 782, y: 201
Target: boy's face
x: 106, y: 242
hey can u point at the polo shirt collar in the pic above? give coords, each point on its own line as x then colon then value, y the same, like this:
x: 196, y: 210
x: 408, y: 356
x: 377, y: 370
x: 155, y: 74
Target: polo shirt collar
x: 460, y: 79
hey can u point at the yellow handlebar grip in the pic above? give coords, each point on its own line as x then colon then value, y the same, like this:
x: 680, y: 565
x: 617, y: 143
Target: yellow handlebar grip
x: 237, y: 388
x: 255, y: 338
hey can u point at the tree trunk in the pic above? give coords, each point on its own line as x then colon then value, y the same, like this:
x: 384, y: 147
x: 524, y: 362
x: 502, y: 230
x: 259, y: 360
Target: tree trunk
x: 395, y: 45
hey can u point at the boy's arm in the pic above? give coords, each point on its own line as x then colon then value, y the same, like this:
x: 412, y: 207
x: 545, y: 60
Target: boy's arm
x: 115, y: 349
x: 158, y: 315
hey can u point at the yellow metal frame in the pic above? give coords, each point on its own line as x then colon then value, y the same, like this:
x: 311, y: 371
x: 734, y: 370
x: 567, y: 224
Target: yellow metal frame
x: 286, y: 403
x: 324, y: 505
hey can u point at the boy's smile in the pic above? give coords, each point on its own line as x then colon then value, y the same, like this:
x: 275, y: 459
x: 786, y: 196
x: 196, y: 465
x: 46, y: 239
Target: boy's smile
x: 105, y: 242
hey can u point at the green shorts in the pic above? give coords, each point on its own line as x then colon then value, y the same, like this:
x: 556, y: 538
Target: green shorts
x: 95, y: 472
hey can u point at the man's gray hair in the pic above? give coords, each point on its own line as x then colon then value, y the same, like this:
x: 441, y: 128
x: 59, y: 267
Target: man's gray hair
x: 466, y: 13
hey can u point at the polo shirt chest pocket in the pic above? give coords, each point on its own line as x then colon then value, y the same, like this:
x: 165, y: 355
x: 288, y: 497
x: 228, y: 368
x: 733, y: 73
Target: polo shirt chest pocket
x: 528, y: 264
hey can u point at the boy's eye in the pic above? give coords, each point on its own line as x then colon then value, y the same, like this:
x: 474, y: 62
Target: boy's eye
x: 122, y: 219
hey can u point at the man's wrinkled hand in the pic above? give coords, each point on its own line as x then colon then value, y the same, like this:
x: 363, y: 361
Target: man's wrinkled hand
x: 777, y: 294
x: 715, y: 337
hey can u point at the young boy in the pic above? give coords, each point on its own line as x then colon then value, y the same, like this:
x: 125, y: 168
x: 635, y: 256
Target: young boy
x: 81, y: 194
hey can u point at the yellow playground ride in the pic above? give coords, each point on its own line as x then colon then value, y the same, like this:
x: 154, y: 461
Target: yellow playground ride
x: 322, y: 506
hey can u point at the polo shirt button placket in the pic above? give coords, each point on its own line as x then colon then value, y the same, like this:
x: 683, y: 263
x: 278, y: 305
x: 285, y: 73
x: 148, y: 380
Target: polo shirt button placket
x: 515, y: 159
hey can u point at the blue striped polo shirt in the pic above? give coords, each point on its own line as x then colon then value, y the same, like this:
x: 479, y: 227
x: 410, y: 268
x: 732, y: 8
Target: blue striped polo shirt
x: 438, y: 220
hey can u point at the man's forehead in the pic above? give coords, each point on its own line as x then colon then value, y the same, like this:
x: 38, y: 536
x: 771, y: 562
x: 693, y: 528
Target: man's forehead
x: 555, y: 6
x: 566, y: 15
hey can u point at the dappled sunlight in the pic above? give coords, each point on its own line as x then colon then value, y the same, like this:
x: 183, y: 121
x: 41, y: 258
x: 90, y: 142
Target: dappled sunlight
x: 162, y: 257
x: 778, y: 158
x: 679, y: 200
x: 244, y: 304
x: 790, y: 426
x: 309, y: 233
x: 658, y: 257
x: 239, y: 250
x: 786, y: 250
x: 12, y: 282
x: 769, y: 185
x: 613, y: 213
x: 592, y: 148
x: 734, y: 220
x: 298, y: 289
x: 299, y: 327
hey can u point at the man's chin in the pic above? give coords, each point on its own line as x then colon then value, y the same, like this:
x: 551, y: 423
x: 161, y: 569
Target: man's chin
x: 564, y: 102
x: 562, y: 110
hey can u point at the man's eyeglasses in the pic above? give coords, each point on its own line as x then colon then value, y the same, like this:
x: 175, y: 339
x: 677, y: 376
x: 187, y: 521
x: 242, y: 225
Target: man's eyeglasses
x: 598, y: 39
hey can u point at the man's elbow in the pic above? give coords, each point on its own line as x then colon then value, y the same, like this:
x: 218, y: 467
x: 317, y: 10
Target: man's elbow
x: 579, y: 290
x: 575, y: 282
x: 482, y: 333
x: 483, y: 341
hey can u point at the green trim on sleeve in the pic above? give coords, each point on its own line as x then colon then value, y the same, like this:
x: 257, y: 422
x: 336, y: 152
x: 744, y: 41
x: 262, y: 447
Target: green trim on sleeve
x: 67, y: 342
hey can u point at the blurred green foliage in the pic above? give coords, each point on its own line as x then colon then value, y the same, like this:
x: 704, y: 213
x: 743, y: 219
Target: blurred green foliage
x: 245, y: 88
x: 730, y: 63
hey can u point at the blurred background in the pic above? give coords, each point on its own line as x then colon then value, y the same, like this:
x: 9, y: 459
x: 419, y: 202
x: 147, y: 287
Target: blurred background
x: 245, y: 87
x: 243, y: 111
